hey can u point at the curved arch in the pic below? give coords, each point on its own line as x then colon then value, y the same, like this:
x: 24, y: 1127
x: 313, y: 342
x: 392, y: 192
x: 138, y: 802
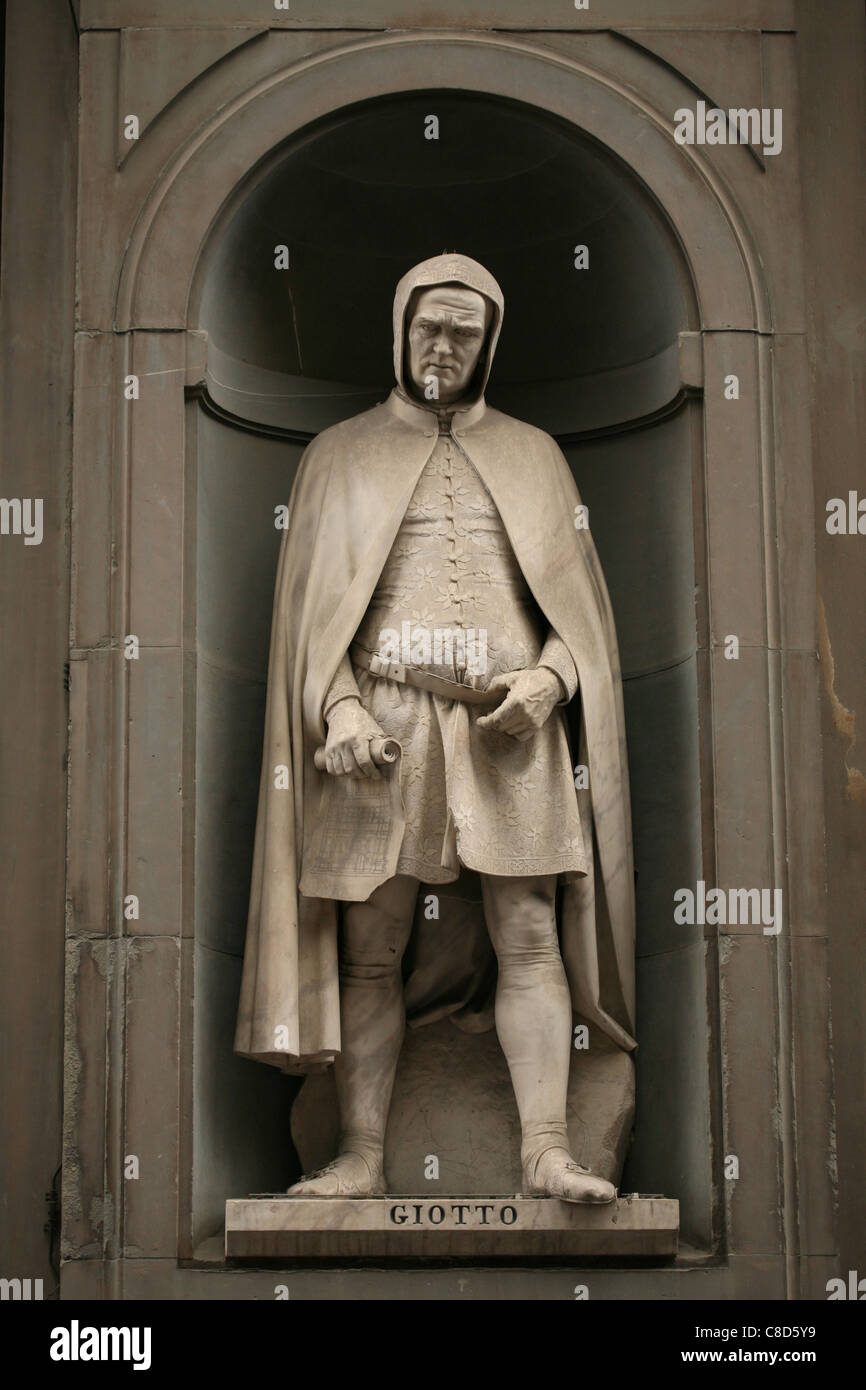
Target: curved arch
x: 158, y: 272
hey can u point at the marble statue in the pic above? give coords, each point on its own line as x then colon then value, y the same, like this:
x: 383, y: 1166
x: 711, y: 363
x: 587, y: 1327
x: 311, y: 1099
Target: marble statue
x: 443, y: 656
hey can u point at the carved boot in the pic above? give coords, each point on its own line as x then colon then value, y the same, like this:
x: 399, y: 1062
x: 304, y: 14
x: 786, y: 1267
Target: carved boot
x: 549, y: 1170
x: 351, y: 1174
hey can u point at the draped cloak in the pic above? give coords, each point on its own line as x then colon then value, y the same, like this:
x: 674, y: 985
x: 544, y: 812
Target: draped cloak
x: 350, y: 495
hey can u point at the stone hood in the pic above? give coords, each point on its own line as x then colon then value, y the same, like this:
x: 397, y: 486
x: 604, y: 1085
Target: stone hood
x: 445, y: 270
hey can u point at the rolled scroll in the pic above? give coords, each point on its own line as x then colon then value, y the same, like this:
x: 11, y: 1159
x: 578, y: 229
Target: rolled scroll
x: 382, y: 750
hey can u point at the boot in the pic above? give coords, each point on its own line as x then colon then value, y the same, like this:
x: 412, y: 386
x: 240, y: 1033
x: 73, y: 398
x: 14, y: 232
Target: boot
x: 350, y: 1174
x: 550, y: 1171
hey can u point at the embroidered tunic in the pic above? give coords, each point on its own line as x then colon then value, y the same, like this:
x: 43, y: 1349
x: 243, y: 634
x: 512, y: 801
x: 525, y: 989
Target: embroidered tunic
x: 453, y: 590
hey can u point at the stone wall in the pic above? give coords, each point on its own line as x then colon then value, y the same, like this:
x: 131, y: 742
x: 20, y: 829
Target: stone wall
x: 768, y: 242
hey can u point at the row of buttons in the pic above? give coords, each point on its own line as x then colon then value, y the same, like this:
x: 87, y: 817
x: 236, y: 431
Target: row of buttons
x: 456, y: 597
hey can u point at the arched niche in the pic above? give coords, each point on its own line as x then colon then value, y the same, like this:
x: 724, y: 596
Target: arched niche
x: 593, y: 356
x: 238, y: 1136
x: 157, y: 284
x: 362, y: 195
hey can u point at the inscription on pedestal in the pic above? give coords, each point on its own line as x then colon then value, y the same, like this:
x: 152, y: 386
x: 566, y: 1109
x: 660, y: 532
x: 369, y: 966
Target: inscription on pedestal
x: 441, y: 1227
x: 453, y: 1214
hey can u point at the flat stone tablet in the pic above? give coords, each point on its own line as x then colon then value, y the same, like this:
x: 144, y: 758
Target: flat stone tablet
x: 270, y: 1227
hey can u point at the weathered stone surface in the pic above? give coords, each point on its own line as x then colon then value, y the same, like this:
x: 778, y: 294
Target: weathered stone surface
x: 88, y: 1217
x: 743, y: 1276
x: 743, y: 772
x: 807, y: 911
x: 816, y: 1271
x: 420, y: 1228
x: 750, y: 1068
x: 153, y: 871
x: 515, y: 14
x: 157, y: 64
x: 817, y: 1175
x: 730, y: 73
x: 95, y: 511
x: 90, y: 901
x: 782, y: 256
x: 733, y: 489
x: 756, y: 1277
x: 38, y: 278
x: 149, y: 1197
x: 796, y: 514
x: 156, y: 483
x: 82, y: 1279
x: 110, y: 199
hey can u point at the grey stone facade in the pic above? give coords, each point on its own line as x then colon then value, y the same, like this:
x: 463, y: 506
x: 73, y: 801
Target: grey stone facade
x: 139, y: 258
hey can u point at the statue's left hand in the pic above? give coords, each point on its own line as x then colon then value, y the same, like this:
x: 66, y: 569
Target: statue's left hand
x: 531, y: 697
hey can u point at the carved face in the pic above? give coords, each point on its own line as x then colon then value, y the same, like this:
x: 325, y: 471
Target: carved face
x: 446, y: 335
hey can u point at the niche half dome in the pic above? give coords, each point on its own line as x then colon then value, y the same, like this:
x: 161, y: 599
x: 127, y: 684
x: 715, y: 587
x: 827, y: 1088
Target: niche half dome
x: 360, y: 198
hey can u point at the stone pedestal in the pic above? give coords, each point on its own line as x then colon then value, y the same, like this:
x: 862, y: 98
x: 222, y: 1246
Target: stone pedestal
x: 448, y: 1228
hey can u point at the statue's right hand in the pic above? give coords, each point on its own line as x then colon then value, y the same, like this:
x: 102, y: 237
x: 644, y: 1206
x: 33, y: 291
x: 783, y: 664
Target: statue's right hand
x: 347, y: 750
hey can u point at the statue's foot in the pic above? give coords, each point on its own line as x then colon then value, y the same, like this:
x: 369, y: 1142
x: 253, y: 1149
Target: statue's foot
x: 350, y: 1175
x: 555, y: 1174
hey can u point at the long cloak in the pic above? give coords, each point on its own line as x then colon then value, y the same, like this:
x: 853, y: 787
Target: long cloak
x: 350, y: 495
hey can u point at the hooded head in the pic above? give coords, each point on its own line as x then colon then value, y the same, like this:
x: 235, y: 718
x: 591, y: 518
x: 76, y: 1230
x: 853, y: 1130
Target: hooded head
x: 451, y: 270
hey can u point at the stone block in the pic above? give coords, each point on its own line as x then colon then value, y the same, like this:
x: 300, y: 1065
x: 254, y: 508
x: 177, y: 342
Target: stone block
x: 743, y: 772
x: 796, y: 517
x: 98, y: 373
x: 816, y: 1271
x: 480, y: 14
x: 89, y: 889
x: 156, y: 65
x: 82, y: 1281
x: 501, y: 1282
x: 156, y: 486
x: 152, y: 1117
x: 482, y: 1228
x: 751, y: 1094
x: 153, y: 872
x: 88, y: 1211
x: 813, y: 1083
x: 734, y: 500
x: 807, y: 901
x: 729, y: 72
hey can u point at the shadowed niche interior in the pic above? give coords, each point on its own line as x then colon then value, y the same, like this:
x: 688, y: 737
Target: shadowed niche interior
x: 301, y: 338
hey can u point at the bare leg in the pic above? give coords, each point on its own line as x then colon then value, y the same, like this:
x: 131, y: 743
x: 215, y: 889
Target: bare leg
x: 533, y: 1021
x: 372, y: 1023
